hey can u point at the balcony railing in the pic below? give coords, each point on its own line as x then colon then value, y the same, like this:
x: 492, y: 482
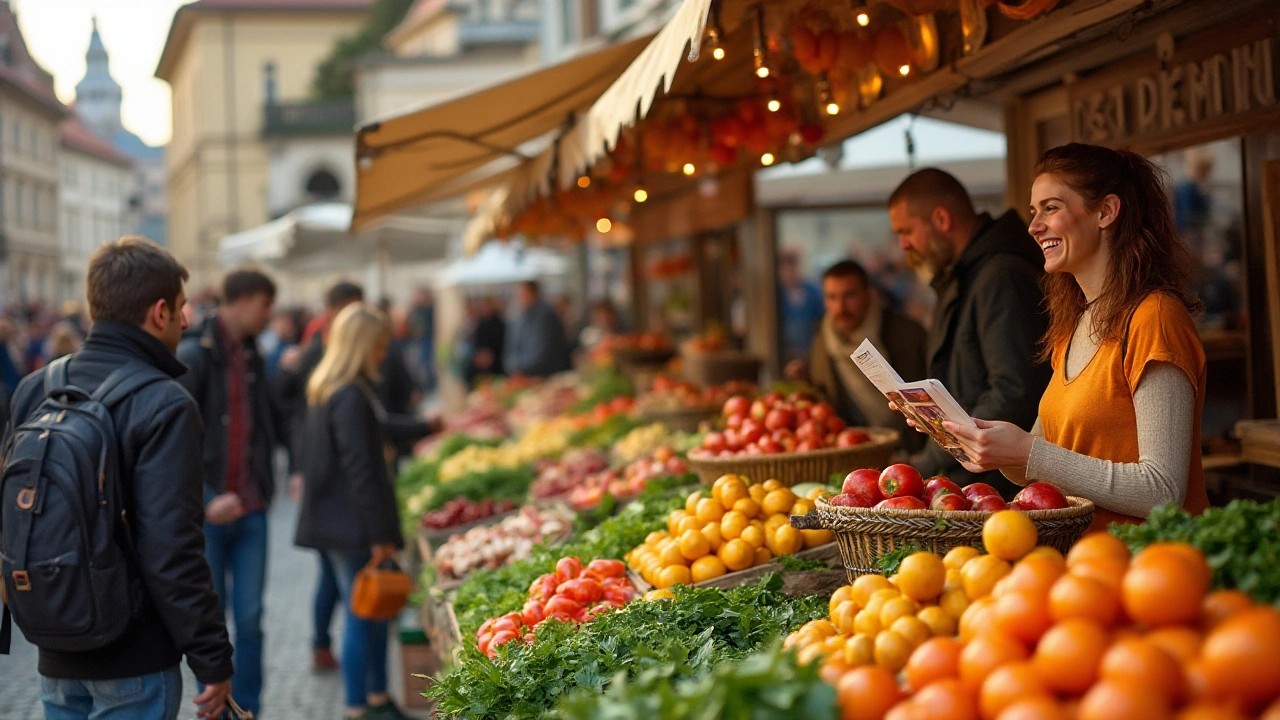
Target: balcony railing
x: 309, y: 118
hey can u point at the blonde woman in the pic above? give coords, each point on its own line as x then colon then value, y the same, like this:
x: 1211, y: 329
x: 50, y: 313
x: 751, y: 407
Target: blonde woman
x: 348, y: 509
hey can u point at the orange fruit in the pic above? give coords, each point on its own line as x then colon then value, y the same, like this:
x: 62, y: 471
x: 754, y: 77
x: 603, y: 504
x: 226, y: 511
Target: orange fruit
x: 957, y: 556
x: 736, y: 554
x: 786, y: 541
x: 1039, y: 707
x: 673, y: 575
x: 867, y: 585
x: 1180, y: 642
x: 1006, y: 685
x: 842, y: 617
x: 954, y: 580
x: 867, y: 693
x: 1199, y: 686
x: 761, y: 556
x: 1179, y: 550
x: 749, y: 508
x: 1209, y: 711
x: 1164, y: 589
x: 895, y: 608
x: 841, y: 594
x: 731, y: 524
x: 693, y: 545
x: 976, y: 619
x: 810, y: 653
x: 1069, y: 655
x: 937, y: 620
x: 1034, y: 575
x: 709, y: 510
x: 773, y: 522
x: 671, y: 555
x: 954, y: 602
x: 833, y: 666
x: 1100, y: 545
x: 1111, y: 700
x: 688, y: 523
x: 732, y: 492
x: 1050, y: 554
x: 756, y: 492
x: 801, y: 507
x: 921, y: 576
x: 1242, y: 656
x: 946, y: 699
x: 706, y: 568
x: 1137, y: 661
x: 1008, y: 534
x: 892, y: 650
x: 754, y: 536
x: 860, y: 650
x: 778, y: 501
x: 770, y: 485
x: 653, y: 537
x: 1222, y: 604
x: 814, y: 538
x: 936, y: 659
x: 981, y: 575
x: 1022, y: 615
x: 1076, y: 596
x: 913, y: 629
x: 867, y: 622
x: 1109, y: 571
x: 673, y: 520
x: 691, y: 502
x: 986, y: 653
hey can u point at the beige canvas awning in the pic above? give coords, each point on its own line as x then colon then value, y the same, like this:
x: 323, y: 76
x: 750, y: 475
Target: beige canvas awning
x: 450, y: 147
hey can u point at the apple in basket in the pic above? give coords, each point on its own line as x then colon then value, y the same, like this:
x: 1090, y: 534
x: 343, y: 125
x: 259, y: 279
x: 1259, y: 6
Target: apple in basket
x: 863, y: 486
x: 946, y: 500
x: 979, y: 490
x: 901, y: 480
x: 938, y: 482
x: 989, y: 503
x: 850, y: 437
x: 906, y: 502
x: 1039, y: 496
x: 845, y: 500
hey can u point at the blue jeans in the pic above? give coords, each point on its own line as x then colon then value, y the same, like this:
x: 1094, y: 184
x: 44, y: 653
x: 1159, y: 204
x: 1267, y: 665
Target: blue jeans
x: 364, y: 642
x: 157, y: 696
x: 326, y: 601
x: 237, y: 552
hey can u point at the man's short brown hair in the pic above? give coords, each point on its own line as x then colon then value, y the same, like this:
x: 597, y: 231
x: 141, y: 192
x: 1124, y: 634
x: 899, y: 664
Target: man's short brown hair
x: 127, y: 276
x: 246, y: 282
x: 928, y: 188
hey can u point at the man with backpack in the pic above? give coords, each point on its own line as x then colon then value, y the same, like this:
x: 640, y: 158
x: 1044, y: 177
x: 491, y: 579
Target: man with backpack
x: 242, y: 429
x: 101, y: 544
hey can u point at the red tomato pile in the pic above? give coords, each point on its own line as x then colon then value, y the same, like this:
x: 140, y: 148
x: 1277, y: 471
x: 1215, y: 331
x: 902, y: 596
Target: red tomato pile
x: 628, y: 481
x: 777, y: 424
x: 571, y: 593
x: 901, y: 487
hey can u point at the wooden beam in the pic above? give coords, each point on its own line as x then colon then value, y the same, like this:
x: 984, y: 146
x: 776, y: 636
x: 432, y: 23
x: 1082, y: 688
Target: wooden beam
x: 1271, y: 229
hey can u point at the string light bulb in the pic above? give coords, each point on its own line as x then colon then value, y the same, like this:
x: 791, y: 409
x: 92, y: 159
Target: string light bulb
x: 774, y: 103
x: 584, y: 181
x: 767, y: 159
x: 833, y: 108
x: 640, y: 195
x: 759, y: 51
x: 905, y: 70
x: 604, y: 225
x: 689, y: 168
x: 863, y: 18
x: 715, y: 34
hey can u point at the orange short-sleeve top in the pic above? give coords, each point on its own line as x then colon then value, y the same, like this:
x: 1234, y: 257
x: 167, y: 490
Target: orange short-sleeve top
x: 1093, y: 413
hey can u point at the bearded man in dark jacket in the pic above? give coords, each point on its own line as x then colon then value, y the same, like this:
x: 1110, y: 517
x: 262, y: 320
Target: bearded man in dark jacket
x: 990, y: 316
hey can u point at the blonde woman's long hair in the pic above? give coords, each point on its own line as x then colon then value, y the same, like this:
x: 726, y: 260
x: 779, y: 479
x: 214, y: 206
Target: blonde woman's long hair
x: 349, y: 352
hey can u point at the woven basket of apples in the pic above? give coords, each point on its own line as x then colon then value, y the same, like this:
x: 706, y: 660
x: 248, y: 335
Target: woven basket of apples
x: 878, y: 512
x: 791, y: 439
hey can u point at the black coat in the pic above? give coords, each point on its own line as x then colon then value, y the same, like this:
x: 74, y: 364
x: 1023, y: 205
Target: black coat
x: 207, y: 382
x: 348, y: 498
x: 986, y: 332
x: 158, y: 430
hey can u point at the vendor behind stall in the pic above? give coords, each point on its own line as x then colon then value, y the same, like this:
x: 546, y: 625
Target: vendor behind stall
x: 855, y: 311
x: 1120, y: 421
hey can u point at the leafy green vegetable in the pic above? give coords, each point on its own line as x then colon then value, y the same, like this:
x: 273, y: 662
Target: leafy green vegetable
x: 888, y: 563
x: 1241, y: 541
x: 605, y: 386
x: 701, y: 628
x: 606, y: 433
x: 768, y: 685
x: 794, y: 564
x: 498, y: 483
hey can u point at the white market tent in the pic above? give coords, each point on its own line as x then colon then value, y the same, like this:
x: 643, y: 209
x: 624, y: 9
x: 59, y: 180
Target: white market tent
x: 502, y: 264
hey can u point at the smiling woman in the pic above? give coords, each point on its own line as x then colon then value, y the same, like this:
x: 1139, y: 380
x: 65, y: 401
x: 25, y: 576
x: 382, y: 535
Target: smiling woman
x: 1120, y: 420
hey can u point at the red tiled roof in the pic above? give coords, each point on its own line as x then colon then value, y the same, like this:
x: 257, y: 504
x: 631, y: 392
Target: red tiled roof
x: 77, y: 135
x: 32, y: 89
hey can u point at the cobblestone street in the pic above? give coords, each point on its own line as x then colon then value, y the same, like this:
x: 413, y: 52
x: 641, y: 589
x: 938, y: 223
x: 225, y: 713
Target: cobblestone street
x: 292, y: 691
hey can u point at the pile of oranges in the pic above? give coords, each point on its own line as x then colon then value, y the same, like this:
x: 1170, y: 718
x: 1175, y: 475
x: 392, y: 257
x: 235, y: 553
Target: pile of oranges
x: 1097, y: 635
x: 739, y: 526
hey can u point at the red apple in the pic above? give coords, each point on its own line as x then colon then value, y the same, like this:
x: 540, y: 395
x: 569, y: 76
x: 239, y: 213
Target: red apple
x: 802, y: 416
x: 736, y: 405
x: 777, y: 418
x: 769, y: 446
x: 979, y: 490
x: 713, y: 442
x: 938, y: 482
x: 1041, y: 496
x: 843, y: 500
x: 802, y: 402
x: 835, y: 425
x: 735, y: 420
x: 864, y: 486
x: 989, y: 503
x: 807, y: 431
x: 821, y: 412
x: 902, y: 503
x: 805, y: 446
x: 750, y: 433
x: 772, y: 398
x: 732, y: 440
x: 901, y: 480
x: 759, y: 409
x: 850, y: 437
x: 947, y: 500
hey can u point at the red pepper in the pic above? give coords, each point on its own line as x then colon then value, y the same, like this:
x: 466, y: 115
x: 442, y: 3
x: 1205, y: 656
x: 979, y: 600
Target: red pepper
x: 561, y: 604
x: 582, y: 590
x: 568, y: 568
x: 607, y: 568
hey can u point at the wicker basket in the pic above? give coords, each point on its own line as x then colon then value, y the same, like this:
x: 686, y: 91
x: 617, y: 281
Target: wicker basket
x: 632, y: 359
x: 720, y: 367
x: 793, y: 468
x: 865, y: 534
x: 685, y: 419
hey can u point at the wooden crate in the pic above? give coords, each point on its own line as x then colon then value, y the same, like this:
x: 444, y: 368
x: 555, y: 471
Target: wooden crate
x: 418, y: 663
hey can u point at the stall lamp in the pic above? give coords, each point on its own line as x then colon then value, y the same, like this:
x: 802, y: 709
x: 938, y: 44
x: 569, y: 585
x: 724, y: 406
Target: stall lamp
x: 775, y: 104
x: 714, y: 34
x: 604, y: 225
x: 641, y: 195
x: 905, y: 70
x: 762, y: 72
x: 717, y: 52
x: 689, y: 169
x: 833, y: 108
x: 584, y: 182
x: 758, y: 53
x: 863, y: 18
x: 767, y: 159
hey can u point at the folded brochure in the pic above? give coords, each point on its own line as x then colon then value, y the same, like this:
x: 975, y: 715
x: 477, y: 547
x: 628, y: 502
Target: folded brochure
x: 927, y: 402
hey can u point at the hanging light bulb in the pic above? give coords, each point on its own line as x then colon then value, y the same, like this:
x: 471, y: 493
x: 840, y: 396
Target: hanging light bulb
x: 823, y: 87
x: 584, y: 181
x: 774, y: 103
x: 760, y: 50
x: 689, y: 168
x: 715, y: 34
x: 640, y: 195
x: 833, y: 108
x: 767, y: 159
x: 861, y: 16
x: 905, y: 70
x: 604, y: 225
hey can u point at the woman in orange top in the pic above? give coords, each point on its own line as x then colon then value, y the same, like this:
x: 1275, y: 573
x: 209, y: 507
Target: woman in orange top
x: 1120, y: 421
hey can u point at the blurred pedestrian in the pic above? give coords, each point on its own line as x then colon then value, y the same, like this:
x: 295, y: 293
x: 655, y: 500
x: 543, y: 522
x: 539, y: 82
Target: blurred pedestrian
x: 536, y: 345
x: 422, y: 338
x: 604, y: 322
x: 242, y: 429
x: 802, y: 306
x: 64, y: 339
x: 348, y: 509
x: 487, y: 343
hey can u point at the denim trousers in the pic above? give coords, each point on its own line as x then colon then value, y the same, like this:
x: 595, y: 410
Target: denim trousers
x: 157, y: 696
x: 325, y: 602
x: 364, y: 642
x: 237, y: 554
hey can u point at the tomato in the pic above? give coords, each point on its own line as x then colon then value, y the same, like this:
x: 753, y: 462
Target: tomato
x: 582, y: 590
x: 582, y: 615
x: 568, y: 568
x: 533, y: 613
x: 560, y: 615
x: 618, y: 596
x: 622, y: 582
x: 608, y: 568
x: 561, y: 604
x: 505, y: 625
x: 502, y: 638
x: 484, y: 642
x: 544, y: 587
x: 486, y: 628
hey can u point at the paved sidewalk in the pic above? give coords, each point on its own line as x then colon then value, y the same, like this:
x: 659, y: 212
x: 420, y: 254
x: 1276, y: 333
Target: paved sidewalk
x: 292, y: 691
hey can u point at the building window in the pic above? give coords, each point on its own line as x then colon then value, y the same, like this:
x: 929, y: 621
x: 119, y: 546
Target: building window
x: 323, y: 185
x: 19, y: 205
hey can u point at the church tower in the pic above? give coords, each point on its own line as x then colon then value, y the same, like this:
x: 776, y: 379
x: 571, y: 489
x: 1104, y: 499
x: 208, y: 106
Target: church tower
x: 98, y: 95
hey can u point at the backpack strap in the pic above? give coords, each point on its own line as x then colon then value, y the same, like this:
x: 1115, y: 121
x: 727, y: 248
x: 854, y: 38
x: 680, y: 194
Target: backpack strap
x: 55, y: 378
x: 126, y: 380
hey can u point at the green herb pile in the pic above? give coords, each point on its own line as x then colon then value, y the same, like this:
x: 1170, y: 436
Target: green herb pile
x: 605, y: 386
x: 792, y: 563
x: 769, y: 685
x: 1241, y: 542
x: 888, y: 563
x: 700, y: 629
x: 490, y: 593
x: 498, y: 483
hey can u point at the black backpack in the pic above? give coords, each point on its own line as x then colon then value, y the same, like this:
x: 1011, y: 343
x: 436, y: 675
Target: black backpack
x: 66, y: 551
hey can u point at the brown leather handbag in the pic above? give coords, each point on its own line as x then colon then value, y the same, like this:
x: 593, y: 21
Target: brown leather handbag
x: 380, y: 592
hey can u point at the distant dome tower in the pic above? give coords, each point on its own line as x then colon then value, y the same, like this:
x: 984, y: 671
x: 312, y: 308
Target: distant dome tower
x: 98, y: 95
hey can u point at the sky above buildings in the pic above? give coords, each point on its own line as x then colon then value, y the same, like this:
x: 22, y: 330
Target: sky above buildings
x: 134, y: 31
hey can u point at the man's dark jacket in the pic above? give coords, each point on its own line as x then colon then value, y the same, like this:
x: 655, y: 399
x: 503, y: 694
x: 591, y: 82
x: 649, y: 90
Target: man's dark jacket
x: 904, y: 345
x: 158, y: 430
x: 206, y: 380
x: 986, y: 331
